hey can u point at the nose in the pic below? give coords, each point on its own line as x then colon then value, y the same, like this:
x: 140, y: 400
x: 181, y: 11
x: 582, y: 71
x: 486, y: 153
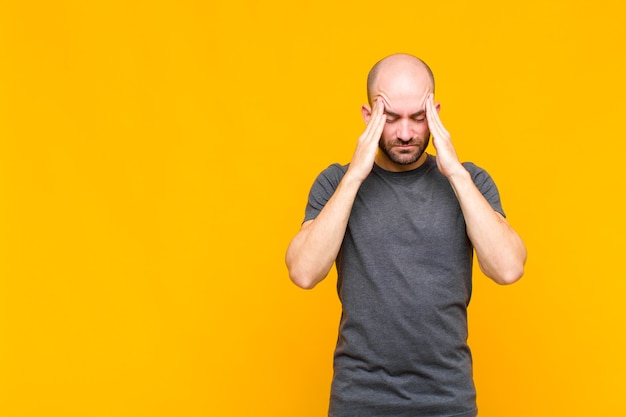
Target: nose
x: 405, y: 131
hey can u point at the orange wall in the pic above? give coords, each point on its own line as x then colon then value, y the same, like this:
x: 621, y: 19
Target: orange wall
x: 155, y: 159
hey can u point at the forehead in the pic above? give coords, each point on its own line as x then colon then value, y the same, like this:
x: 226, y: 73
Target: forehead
x: 404, y: 90
x: 404, y: 101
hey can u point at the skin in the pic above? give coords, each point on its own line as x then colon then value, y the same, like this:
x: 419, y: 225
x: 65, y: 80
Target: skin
x: 403, y: 84
x: 402, y: 117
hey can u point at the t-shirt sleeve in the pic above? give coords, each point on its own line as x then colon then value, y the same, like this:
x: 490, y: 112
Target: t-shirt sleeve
x: 486, y: 185
x: 323, y: 189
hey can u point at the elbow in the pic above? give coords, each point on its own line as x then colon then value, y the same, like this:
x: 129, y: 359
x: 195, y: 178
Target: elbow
x: 300, y: 275
x: 506, y: 269
x: 504, y: 273
x: 304, y: 284
x: 302, y: 272
x: 302, y: 280
x: 510, y: 276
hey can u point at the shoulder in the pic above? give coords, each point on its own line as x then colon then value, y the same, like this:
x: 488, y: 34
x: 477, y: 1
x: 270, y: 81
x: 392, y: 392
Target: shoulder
x: 332, y: 174
x: 336, y: 169
x: 472, y: 167
x: 486, y: 185
x: 479, y: 174
x: 323, y: 188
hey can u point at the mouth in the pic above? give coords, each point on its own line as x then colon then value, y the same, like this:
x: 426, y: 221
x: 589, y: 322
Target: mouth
x: 406, y: 146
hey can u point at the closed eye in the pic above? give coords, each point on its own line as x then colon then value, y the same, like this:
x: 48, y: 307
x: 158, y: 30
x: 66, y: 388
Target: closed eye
x: 419, y: 117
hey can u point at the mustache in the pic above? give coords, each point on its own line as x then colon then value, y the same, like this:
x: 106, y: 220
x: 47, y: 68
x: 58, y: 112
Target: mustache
x: 400, y: 142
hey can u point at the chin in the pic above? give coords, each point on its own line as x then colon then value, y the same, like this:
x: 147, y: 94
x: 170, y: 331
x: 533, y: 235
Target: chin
x: 406, y: 159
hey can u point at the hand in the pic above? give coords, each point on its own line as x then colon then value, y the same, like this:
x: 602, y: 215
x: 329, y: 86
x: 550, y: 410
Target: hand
x: 447, y: 160
x: 363, y: 158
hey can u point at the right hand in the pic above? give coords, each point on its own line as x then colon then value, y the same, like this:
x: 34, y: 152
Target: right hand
x: 363, y: 158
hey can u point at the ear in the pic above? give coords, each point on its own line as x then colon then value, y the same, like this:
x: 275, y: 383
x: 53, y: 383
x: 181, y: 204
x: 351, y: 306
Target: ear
x: 366, y: 112
x: 438, y: 107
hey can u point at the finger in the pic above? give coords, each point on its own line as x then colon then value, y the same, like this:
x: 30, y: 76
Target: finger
x: 434, y: 122
x: 374, y: 130
x: 379, y: 106
x: 431, y: 114
x: 375, y: 112
x: 376, y: 123
x: 431, y: 110
x: 378, y: 128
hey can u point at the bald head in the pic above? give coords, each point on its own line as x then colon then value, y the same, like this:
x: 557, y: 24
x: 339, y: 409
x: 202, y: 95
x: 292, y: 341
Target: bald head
x: 398, y: 65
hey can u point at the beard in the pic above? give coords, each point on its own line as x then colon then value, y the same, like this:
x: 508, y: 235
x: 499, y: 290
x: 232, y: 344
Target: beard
x: 404, y: 157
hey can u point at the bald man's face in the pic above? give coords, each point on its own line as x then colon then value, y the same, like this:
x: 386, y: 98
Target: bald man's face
x: 406, y: 135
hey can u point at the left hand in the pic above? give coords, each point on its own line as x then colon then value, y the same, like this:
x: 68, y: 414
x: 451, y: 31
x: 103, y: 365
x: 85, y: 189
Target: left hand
x: 447, y: 160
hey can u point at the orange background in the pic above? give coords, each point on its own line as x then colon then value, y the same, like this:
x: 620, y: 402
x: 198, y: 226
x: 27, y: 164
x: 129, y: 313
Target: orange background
x: 155, y: 159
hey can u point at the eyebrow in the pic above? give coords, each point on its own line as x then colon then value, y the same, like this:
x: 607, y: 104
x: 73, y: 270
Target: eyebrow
x: 396, y: 115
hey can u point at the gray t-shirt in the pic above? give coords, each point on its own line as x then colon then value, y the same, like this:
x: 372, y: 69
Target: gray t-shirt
x: 404, y: 281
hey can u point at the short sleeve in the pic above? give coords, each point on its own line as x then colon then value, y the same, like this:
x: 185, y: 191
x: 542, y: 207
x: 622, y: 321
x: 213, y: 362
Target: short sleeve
x: 486, y: 185
x: 323, y: 189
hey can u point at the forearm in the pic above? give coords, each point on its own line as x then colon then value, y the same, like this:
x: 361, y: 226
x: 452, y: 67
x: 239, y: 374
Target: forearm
x: 500, y: 252
x: 312, y: 252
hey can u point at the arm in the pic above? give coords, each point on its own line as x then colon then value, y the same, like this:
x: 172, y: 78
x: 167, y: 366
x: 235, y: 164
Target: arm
x: 312, y: 252
x: 500, y: 251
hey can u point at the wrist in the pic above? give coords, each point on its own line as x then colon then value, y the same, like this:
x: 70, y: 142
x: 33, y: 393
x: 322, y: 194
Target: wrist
x: 351, y: 181
x: 459, y: 177
x: 354, y: 176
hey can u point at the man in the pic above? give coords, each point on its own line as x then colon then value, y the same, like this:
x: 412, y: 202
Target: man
x: 402, y: 226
